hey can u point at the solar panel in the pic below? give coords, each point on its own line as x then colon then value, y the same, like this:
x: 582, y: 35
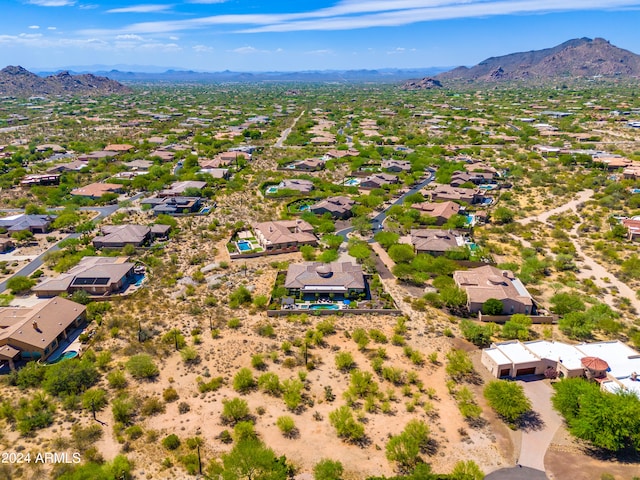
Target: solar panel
x: 84, y: 281
x: 101, y: 281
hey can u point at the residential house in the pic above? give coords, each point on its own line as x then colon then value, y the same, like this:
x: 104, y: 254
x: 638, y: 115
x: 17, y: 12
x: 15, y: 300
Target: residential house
x: 139, y: 164
x: 52, y: 147
x: 74, y: 166
x: 179, y: 188
x: 22, y: 222
x: 94, y: 275
x: 217, y: 173
x: 435, y: 242
x: 309, y: 165
x: 117, y: 236
x: 378, y: 180
x: 632, y: 172
x: 338, y: 207
x: 6, y: 244
x: 633, y: 228
x: 342, y: 278
x: 298, y: 184
x: 284, y: 234
x: 487, y: 282
x: 40, y: 179
x: 333, y: 154
x: 477, y: 178
x: 442, y: 211
x: 118, y: 147
x: 173, y: 205
x: 396, y: 166
x: 443, y: 193
x: 96, y: 190
x: 97, y: 155
x: 614, y: 363
x: 35, y: 332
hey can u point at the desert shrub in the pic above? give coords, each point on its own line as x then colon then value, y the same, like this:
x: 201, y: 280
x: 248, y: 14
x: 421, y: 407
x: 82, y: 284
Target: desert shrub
x: 123, y: 409
x: 344, y: 361
x: 243, y: 381
x: 507, y: 399
x: 70, y: 377
x: 347, y: 427
x: 257, y: 361
x: 287, y: 426
x: 142, y: 366
x: 94, y: 399
x: 234, y: 410
x: 292, y: 392
x: 170, y: 395
x: 189, y: 355
x: 327, y: 469
x: 234, y: 323
x: 171, y: 442
x: 270, y: 383
x: 210, y: 386
x: 117, y: 379
x: 377, y: 336
x: 152, y: 406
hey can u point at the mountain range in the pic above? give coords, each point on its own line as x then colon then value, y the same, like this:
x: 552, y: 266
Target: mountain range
x: 18, y: 82
x: 577, y: 58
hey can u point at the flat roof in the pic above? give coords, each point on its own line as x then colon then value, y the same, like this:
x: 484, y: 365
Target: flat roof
x: 567, y: 354
x: 622, y: 359
x: 621, y: 385
x: 497, y: 356
x: 516, y: 352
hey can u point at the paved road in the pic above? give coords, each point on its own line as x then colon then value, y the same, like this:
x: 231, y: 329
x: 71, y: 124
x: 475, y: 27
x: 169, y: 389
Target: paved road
x: 517, y: 473
x: 285, y: 133
x: 103, y: 212
x: 379, y: 218
x: 535, y: 442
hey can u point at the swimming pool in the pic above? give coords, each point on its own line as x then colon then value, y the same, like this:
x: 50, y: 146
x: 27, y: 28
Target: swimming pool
x: 137, y: 280
x: 352, y: 182
x: 304, y: 208
x: 272, y: 189
x: 324, y: 306
x: 64, y: 356
x: 487, y: 187
x: 635, y: 190
x: 205, y: 210
x: 244, y: 246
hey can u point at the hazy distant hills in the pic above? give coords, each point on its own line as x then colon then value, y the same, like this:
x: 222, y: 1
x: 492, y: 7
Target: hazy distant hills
x: 19, y: 82
x: 580, y: 57
x: 386, y: 75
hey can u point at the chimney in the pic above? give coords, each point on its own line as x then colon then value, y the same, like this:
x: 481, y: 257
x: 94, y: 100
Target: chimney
x: 35, y: 326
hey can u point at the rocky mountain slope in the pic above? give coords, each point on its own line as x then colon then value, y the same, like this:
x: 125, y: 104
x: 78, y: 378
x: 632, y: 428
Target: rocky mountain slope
x: 19, y: 82
x: 577, y: 58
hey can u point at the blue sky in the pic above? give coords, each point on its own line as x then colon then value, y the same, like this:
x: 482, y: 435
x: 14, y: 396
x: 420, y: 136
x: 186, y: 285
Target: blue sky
x: 252, y: 35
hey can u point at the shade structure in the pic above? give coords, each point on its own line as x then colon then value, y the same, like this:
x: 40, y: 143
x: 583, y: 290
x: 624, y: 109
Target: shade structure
x: 595, y: 364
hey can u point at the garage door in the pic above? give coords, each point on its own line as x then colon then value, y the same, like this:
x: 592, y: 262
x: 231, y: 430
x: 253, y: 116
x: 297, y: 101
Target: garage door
x: 525, y: 371
x: 505, y: 372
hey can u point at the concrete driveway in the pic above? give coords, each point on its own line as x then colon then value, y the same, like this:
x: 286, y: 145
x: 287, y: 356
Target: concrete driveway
x: 536, y: 440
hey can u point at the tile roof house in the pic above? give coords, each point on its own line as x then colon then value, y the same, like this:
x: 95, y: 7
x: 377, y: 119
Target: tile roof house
x: 97, y: 155
x: 324, y: 278
x: 455, y: 194
x: 338, y: 207
x: 477, y: 178
x: 284, y: 234
x: 117, y: 236
x: 298, y: 184
x: 309, y: 165
x: 94, y: 275
x: 633, y: 228
x: 487, y: 282
x: 442, y: 211
x: 378, y: 180
x: 118, y: 147
x: 22, y: 222
x: 35, y: 332
x: 341, y: 153
x: 96, y: 190
x: 179, y: 188
x: 396, y: 166
x: 74, y: 166
x: 435, y: 242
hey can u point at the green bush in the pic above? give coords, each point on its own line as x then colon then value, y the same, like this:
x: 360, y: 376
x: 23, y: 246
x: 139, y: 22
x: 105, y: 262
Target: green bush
x: 243, y: 381
x: 171, y: 442
x: 286, y: 425
x: 347, y: 427
x: 345, y: 361
x: 507, y: 399
x: 234, y: 410
x: 141, y: 366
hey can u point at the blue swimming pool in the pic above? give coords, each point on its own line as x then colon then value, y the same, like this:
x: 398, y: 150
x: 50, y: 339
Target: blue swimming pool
x: 324, y: 306
x: 487, y: 187
x: 352, y: 182
x: 635, y: 190
x: 64, y: 356
x: 244, y: 246
x: 304, y: 208
x: 272, y: 189
x: 137, y: 280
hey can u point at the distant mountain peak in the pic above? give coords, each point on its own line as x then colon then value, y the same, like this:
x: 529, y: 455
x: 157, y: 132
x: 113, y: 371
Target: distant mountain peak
x: 575, y: 58
x: 19, y: 82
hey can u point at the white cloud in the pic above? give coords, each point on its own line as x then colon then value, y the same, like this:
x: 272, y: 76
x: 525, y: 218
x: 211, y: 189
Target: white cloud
x: 320, y: 52
x: 141, y: 9
x: 52, y: 3
x: 34, y: 27
x: 202, y: 49
x: 51, y: 28
x: 129, y: 36
x: 245, y: 50
x: 358, y: 14
x: 174, y: 38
